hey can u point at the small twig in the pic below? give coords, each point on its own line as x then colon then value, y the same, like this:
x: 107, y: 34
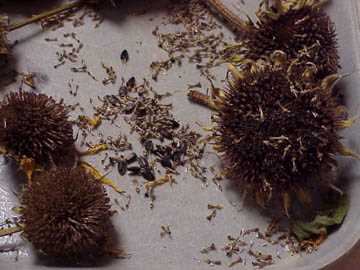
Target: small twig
x: 202, y: 99
x: 44, y: 15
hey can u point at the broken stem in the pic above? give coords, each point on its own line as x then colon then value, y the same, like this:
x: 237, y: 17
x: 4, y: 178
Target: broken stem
x: 234, y: 20
x: 202, y: 99
x: 44, y: 15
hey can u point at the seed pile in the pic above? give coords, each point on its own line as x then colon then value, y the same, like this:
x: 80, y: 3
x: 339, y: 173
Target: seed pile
x: 165, y: 141
x: 198, y: 42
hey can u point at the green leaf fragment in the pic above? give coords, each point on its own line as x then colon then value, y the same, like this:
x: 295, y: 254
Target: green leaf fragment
x: 320, y: 224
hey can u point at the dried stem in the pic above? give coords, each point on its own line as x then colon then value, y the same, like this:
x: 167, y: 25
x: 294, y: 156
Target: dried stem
x: 44, y: 15
x: 202, y: 99
x: 234, y: 20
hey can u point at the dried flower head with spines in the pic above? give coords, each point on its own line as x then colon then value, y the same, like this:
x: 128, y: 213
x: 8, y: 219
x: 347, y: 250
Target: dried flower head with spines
x: 66, y: 215
x: 275, y: 135
x: 34, y: 125
x: 299, y: 28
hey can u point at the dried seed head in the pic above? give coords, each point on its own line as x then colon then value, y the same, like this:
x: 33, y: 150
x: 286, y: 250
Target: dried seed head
x: 35, y: 126
x: 303, y: 31
x: 275, y: 136
x: 67, y: 215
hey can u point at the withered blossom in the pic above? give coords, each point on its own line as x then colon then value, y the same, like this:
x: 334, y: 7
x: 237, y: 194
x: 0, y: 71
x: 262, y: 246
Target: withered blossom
x: 299, y: 28
x: 277, y: 136
x: 34, y: 125
x: 66, y: 215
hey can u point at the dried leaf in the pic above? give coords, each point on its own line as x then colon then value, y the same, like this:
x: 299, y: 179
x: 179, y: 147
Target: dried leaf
x: 328, y: 218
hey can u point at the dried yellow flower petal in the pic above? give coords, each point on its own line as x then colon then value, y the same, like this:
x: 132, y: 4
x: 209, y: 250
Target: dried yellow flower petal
x: 95, y: 149
x: 102, y: 178
x: 94, y: 122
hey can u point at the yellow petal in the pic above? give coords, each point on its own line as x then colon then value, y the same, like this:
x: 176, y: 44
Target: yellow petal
x: 93, y: 122
x: 102, y: 178
x: 279, y: 58
x: 330, y: 81
x: 236, y: 74
x: 347, y: 152
x: 3, y: 150
x: 17, y: 209
x: 347, y: 123
x: 29, y: 166
x: 11, y: 230
x: 95, y: 149
x: 150, y: 185
x: 286, y: 203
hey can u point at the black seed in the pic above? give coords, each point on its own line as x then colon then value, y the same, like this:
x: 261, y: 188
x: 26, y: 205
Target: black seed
x: 146, y: 171
x: 122, y: 167
x: 131, y: 82
x: 131, y: 158
x: 134, y: 170
x: 149, y: 146
x: 124, y: 56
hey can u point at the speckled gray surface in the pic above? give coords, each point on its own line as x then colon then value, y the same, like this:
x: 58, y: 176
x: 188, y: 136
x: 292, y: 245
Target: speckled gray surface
x: 184, y: 205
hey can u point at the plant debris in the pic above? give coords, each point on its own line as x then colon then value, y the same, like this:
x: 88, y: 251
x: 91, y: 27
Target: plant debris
x: 198, y: 42
x: 111, y: 75
x: 326, y: 219
x: 165, y: 230
x: 206, y: 250
x: 164, y: 140
x: 213, y: 262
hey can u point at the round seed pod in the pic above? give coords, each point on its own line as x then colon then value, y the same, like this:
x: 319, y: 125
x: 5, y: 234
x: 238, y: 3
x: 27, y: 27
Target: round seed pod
x: 276, y: 136
x: 67, y: 214
x: 34, y: 125
x: 301, y: 31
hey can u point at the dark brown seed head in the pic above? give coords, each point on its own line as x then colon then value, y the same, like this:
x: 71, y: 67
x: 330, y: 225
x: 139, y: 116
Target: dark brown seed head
x: 304, y: 32
x: 35, y: 126
x: 274, y: 136
x: 67, y: 215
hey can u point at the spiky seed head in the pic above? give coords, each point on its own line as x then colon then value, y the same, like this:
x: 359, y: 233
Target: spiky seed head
x: 275, y: 136
x: 34, y: 125
x: 67, y: 215
x: 304, y: 32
